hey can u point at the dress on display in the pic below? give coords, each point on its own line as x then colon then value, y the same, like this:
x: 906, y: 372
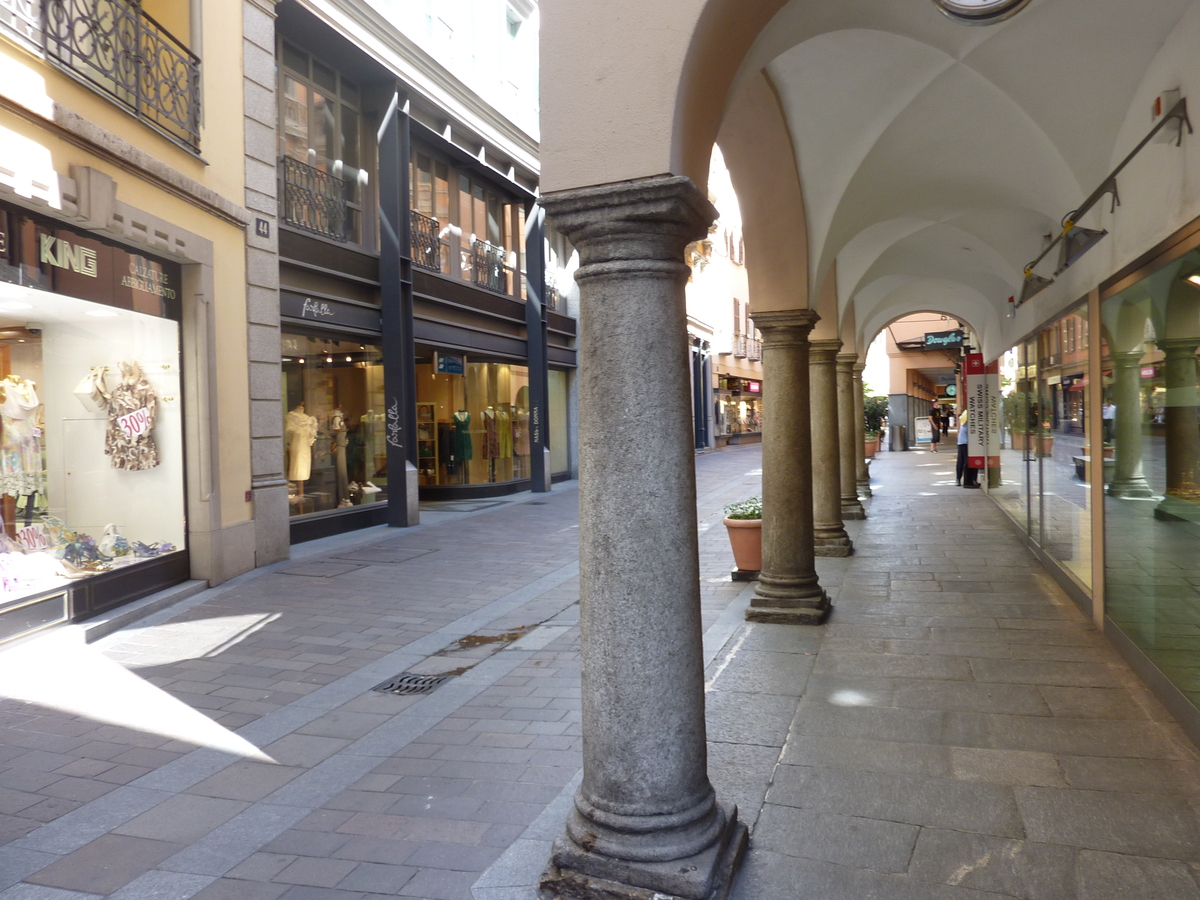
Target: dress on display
x: 132, y: 409
x: 300, y: 429
x: 521, y: 432
x: 445, y: 445
x: 506, y: 436
x: 491, y: 436
x: 462, y: 436
x: 20, y: 444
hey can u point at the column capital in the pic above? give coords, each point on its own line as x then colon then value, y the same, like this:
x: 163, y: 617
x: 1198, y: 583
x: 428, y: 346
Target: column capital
x: 859, y: 368
x: 824, y: 351
x: 784, y: 327
x: 632, y: 228
x: 1176, y: 347
x: 1126, y: 359
x: 846, y: 361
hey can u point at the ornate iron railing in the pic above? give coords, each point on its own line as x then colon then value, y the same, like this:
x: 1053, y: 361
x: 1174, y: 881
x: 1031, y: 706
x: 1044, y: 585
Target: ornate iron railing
x: 23, y: 18
x: 739, y: 346
x: 426, y: 245
x: 555, y: 301
x: 121, y: 51
x: 488, y: 266
x: 313, y: 200
x: 753, y: 349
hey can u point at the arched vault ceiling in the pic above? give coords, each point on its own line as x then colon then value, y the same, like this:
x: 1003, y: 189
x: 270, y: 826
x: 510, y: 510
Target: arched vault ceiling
x: 942, y: 153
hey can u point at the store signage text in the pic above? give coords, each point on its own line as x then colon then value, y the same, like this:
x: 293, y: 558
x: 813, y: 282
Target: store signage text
x: 393, y: 424
x: 148, y: 279
x: 943, y: 340
x: 1149, y: 371
x: 66, y: 255
x: 448, y: 364
x: 754, y: 387
x: 136, y: 423
x: 359, y: 316
x: 315, y: 309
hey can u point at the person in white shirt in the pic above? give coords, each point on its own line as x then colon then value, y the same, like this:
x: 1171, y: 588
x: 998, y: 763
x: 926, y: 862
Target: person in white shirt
x: 964, y: 475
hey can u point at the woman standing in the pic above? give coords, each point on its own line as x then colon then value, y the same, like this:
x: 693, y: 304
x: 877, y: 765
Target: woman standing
x: 935, y: 424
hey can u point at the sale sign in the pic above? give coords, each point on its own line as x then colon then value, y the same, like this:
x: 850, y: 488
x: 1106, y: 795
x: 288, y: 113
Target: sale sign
x: 135, y: 424
x: 983, y: 412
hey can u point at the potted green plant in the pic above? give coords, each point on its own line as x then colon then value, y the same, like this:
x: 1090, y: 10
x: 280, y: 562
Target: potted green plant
x: 743, y: 521
x: 875, y: 410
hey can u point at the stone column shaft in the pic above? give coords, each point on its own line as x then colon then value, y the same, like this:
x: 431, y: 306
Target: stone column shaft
x: 829, y: 534
x: 1180, y: 413
x: 1128, y: 478
x: 788, y: 588
x: 848, y: 438
x: 646, y: 818
x: 862, y: 473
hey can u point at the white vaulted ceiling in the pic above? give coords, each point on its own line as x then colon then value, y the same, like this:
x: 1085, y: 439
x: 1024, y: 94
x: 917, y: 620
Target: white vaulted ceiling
x: 933, y: 156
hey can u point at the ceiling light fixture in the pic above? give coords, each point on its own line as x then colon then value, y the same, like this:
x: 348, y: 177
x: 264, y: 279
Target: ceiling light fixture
x: 980, y: 12
x: 1077, y: 241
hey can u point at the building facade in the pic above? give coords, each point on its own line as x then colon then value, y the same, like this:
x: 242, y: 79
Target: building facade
x: 126, y: 245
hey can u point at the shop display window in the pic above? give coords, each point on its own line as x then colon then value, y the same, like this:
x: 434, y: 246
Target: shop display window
x: 738, y: 406
x: 1150, y: 334
x: 335, y: 447
x: 91, y: 434
x: 473, y: 421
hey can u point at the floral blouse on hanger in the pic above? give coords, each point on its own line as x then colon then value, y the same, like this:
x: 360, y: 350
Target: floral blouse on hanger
x: 132, y: 409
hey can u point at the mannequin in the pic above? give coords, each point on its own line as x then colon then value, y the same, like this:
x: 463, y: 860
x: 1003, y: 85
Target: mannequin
x: 462, y: 439
x: 20, y: 446
x: 300, y: 433
x: 337, y: 427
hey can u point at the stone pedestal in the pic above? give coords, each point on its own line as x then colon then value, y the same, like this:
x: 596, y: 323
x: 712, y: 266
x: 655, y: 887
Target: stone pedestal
x: 829, y: 534
x: 646, y: 818
x: 849, y: 446
x: 1181, y: 423
x: 788, y: 588
x: 862, y: 476
x: 1128, y: 479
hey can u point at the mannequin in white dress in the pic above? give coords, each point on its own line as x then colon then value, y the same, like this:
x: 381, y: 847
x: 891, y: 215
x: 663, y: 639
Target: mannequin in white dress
x: 300, y: 433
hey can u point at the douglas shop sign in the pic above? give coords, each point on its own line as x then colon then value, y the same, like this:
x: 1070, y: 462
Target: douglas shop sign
x: 943, y: 340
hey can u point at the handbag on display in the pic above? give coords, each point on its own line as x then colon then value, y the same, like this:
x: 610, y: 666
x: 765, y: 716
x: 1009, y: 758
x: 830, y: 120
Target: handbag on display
x: 93, y: 391
x: 113, y: 543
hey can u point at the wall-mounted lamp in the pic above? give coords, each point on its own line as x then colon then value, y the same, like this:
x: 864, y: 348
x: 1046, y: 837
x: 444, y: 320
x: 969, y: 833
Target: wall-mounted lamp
x: 1194, y: 279
x: 1076, y: 241
x: 1033, y: 285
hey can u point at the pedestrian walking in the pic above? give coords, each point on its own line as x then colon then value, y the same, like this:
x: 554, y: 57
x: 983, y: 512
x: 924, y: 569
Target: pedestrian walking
x: 1108, y: 413
x: 945, y: 417
x: 964, y: 475
x: 935, y: 422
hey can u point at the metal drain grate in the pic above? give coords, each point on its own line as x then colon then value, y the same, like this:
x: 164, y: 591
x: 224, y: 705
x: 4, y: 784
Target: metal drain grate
x: 407, y: 683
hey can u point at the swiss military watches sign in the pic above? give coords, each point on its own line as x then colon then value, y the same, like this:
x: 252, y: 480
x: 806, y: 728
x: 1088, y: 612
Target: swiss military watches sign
x: 983, y: 412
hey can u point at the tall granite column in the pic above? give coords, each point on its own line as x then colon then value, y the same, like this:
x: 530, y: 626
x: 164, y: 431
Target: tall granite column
x: 789, y: 591
x: 850, y: 448
x: 862, y: 473
x: 1128, y: 478
x: 646, y: 818
x: 829, y: 534
x: 1182, y: 426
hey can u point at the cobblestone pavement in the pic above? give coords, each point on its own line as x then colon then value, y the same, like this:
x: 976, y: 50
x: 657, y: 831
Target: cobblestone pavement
x: 957, y: 731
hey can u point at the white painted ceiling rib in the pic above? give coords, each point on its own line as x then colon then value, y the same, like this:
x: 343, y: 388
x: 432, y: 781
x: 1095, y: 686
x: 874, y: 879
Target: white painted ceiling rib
x: 934, y: 156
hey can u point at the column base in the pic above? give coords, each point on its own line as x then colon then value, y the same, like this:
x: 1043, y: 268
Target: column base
x: 832, y: 543
x: 1131, y: 489
x: 576, y: 873
x: 852, y: 510
x: 776, y: 611
x: 864, y: 488
x: 744, y: 575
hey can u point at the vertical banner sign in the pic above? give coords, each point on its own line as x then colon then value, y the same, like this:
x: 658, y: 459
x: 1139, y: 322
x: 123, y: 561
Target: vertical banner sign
x: 536, y: 347
x: 395, y: 277
x: 983, y: 412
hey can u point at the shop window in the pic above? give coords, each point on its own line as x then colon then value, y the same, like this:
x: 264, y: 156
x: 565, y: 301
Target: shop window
x: 91, y: 435
x: 1150, y: 334
x: 473, y: 421
x: 321, y: 144
x: 335, y: 448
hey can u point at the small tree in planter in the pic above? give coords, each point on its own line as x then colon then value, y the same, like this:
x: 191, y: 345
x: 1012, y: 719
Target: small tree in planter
x: 875, y: 410
x: 743, y: 521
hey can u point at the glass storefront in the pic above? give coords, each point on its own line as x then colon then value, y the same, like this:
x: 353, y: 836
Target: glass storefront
x: 1150, y: 334
x: 335, y: 450
x: 737, y: 406
x: 473, y: 422
x: 91, y: 426
x: 1045, y: 460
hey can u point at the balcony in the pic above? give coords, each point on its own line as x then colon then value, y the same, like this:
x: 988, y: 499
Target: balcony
x: 313, y: 200
x: 426, y: 243
x: 739, y: 346
x: 488, y: 269
x: 753, y: 349
x: 23, y: 20
x: 120, y: 51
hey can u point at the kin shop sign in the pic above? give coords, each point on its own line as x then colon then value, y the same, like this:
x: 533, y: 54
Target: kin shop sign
x: 37, y: 253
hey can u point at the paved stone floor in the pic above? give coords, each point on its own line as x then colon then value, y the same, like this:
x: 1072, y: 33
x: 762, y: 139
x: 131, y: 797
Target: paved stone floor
x: 957, y: 731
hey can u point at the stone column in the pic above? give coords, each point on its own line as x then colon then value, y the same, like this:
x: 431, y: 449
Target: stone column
x: 789, y: 591
x: 1128, y: 479
x: 1182, y: 425
x: 862, y: 473
x: 850, y: 446
x: 646, y: 818
x: 829, y: 534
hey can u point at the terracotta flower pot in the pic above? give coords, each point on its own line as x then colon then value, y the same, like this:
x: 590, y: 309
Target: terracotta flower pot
x: 870, y: 446
x: 745, y: 536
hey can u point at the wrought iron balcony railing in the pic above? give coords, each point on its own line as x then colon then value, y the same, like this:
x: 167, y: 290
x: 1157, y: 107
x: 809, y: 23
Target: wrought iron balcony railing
x: 121, y: 51
x: 488, y: 267
x: 313, y: 200
x: 753, y: 349
x: 555, y: 301
x: 426, y: 244
x: 23, y: 18
x: 739, y: 346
